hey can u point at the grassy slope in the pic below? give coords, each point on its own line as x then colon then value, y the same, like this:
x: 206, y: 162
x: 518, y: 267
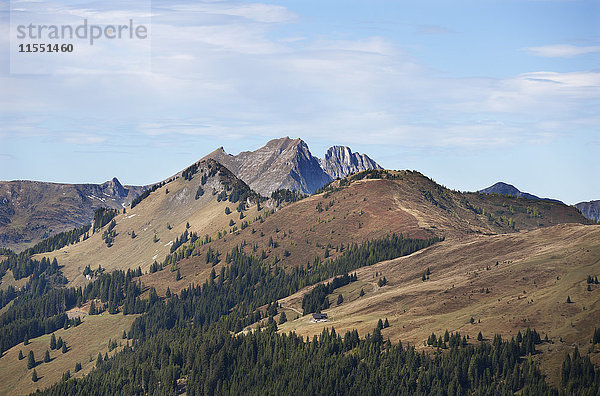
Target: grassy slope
x: 537, y: 270
x: 365, y: 210
x: 85, y: 340
x: 150, y: 217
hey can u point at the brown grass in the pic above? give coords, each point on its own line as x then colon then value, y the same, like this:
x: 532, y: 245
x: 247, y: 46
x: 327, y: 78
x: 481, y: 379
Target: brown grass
x: 84, y: 341
x: 536, y: 272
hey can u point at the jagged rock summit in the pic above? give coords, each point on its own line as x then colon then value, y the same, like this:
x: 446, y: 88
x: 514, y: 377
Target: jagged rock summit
x: 590, y: 210
x: 288, y: 163
x: 340, y: 162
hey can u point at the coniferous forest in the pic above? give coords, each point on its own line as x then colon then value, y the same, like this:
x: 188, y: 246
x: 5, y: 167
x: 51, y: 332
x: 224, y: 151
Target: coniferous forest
x: 193, y: 341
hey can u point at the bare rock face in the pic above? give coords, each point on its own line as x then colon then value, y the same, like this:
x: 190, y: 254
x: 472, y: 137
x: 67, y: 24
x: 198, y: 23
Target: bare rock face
x: 288, y: 163
x: 340, y: 162
x: 590, y: 210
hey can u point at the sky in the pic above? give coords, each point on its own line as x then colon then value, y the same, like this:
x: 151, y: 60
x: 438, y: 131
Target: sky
x: 468, y: 93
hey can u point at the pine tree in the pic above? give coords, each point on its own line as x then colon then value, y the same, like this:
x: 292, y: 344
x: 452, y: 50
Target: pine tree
x: 59, y: 343
x: 99, y: 360
x: 21, y: 357
x: 480, y: 336
x: 47, y: 356
x: 77, y: 367
x: 64, y: 348
x: 386, y: 324
x: 53, y: 342
x: 178, y: 276
x: 568, y: 299
x: 340, y: 299
x: 362, y: 292
x: 282, y: 318
x: 30, y: 360
x: 92, y: 310
x: 380, y: 324
x: 26, y: 339
x: 34, y: 376
x: 167, y: 294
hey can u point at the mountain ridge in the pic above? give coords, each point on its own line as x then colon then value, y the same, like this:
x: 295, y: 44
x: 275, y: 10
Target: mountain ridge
x: 33, y: 210
x: 502, y: 188
x: 288, y: 164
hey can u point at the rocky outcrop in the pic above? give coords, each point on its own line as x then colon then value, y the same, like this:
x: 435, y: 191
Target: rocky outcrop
x: 590, y: 210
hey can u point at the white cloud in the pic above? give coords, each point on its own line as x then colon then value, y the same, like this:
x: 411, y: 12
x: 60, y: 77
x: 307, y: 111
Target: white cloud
x: 562, y: 50
x: 217, y: 71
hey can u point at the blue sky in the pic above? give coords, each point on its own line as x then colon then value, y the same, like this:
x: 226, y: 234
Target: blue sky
x: 468, y: 92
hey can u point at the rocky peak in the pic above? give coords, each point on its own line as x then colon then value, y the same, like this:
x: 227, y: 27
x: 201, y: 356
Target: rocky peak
x: 288, y: 163
x: 340, y: 161
x: 114, y: 188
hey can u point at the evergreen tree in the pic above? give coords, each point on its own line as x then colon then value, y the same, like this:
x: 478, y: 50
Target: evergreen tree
x: 77, y: 367
x: 47, y: 356
x: 362, y: 292
x: 386, y: 324
x: 30, y: 360
x: 99, y: 360
x: 282, y: 318
x: 64, y: 348
x: 53, y: 342
x: 568, y: 299
x: 178, y: 276
x: 480, y: 336
x: 34, y: 376
x: 340, y: 299
x: 21, y: 357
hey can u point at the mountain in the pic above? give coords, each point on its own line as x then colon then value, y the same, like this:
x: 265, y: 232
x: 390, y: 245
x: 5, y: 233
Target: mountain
x: 31, y: 210
x: 509, y: 263
x: 288, y: 164
x: 502, y: 188
x: 591, y: 209
x: 340, y: 162
x: 364, y: 206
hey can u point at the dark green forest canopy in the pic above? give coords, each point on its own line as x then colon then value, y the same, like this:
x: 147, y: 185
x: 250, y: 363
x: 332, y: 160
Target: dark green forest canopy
x: 264, y: 362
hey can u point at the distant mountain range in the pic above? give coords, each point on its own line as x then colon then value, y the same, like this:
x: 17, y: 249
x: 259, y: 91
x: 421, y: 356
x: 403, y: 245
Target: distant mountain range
x: 590, y: 210
x: 502, y: 188
x: 288, y: 163
x: 32, y: 210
